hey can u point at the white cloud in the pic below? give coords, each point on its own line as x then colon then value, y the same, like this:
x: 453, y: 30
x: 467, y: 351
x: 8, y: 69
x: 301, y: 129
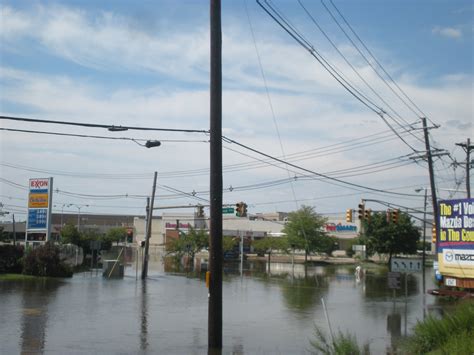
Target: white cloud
x: 311, y: 109
x: 448, y: 32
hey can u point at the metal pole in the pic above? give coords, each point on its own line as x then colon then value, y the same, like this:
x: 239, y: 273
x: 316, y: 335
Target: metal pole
x: 215, y: 250
x: 148, y: 230
x: 432, y: 178
x: 14, y: 230
x: 241, y: 253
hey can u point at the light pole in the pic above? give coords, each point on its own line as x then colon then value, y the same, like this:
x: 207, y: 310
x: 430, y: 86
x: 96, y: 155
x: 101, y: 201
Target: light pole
x: 78, y: 213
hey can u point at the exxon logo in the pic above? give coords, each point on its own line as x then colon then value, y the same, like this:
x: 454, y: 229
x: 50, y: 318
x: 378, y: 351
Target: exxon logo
x: 39, y: 183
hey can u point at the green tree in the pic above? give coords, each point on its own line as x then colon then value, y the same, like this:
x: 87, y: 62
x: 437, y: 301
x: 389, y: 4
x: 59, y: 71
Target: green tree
x: 116, y: 234
x: 305, y: 230
x: 228, y: 243
x: 269, y: 244
x: 189, y: 243
x: 385, y: 237
x: 70, y: 235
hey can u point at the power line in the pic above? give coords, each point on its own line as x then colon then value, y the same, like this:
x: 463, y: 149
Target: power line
x: 375, y: 59
x: 135, y: 140
x: 109, y: 127
x: 332, y: 180
x: 296, y: 35
x: 357, y: 72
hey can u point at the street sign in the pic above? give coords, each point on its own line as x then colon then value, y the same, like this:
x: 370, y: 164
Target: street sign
x: 406, y: 265
x: 393, y: 279
x: 228, y: 210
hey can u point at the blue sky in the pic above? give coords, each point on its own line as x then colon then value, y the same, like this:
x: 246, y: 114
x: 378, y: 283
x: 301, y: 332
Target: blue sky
x: 147, y: 64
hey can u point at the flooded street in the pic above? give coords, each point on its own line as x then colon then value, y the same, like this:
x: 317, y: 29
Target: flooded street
x: 263, y: 313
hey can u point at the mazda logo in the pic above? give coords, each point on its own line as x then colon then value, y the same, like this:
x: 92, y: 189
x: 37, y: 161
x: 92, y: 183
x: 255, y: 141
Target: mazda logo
x: 449, y: 256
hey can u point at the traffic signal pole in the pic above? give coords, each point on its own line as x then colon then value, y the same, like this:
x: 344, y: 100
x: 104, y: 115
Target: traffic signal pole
x: 215, y: 250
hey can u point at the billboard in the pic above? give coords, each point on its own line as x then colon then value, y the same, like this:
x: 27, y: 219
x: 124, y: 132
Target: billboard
x: 39, y: 209
x: 455, y: 238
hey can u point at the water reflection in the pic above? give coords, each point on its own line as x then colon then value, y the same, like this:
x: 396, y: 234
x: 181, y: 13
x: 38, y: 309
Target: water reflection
x: 264, y: 312
x: 144, y: 316
x: 36, y: 295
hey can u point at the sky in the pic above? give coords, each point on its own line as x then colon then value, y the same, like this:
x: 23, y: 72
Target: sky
x: 146, y: 64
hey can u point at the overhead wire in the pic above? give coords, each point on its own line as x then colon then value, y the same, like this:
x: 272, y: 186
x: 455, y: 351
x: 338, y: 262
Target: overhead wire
x: 295, y: 34
x: 313, y: 19
x: 376, y: 61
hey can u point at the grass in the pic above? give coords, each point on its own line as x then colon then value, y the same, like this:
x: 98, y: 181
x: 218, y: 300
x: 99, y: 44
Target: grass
x: 16, y: 277
x: 452, y: 334
x: 342, y: 344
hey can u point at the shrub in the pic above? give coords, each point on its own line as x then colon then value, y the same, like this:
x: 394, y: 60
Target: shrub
x: 45, y: 261
x: 454, y: 331
x: 10, y: 259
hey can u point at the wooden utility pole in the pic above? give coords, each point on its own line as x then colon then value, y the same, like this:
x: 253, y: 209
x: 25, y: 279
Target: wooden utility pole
x: 215, y: 250
x: 148, y: 230
x: 432, y: 178
x: 467, y: 147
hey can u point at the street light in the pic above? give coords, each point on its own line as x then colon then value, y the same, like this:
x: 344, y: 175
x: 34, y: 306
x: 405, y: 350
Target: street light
x: 78, y: 214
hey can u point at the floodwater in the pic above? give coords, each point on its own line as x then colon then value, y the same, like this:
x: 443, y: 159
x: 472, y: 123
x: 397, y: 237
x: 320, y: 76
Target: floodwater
x: 264, y: 311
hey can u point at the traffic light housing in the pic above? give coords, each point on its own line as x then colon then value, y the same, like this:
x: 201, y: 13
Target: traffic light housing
x: 200, y: 211
x: 360, y: 211
x: 244, y: 210
x: 241, y: 209
x: 367, y: 214
x: 433, y: 234
x: 395, y: 214
x: 349, y: 215
x: 238, y: 209
x: 388, y: 215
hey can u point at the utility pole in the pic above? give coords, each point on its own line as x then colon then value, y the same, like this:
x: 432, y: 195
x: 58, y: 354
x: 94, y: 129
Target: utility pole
x: 431, y: 172
x: 467, y: 148
x: 215, y: 250
x: 148, y: 230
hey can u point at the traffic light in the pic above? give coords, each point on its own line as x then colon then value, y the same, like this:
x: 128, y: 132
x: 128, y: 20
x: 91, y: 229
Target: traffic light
x: 388, y: 215
x: 239, y: 209
x: 349, y: 215
x: 433, y: 234
x: 360, y: 211
x: 395, y: 214
x: 367, y: 214
x: 200, y: 211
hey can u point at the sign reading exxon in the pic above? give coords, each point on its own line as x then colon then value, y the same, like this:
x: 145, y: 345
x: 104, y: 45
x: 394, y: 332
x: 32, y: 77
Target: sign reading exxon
x: 39, y: 210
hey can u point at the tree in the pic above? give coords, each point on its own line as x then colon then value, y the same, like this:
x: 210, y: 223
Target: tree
x: 305, y: 230
x: 189, y: 243
x: 385, y: 237
x: 70, y: 235
x: 269, y: 244
x: 116, y: 234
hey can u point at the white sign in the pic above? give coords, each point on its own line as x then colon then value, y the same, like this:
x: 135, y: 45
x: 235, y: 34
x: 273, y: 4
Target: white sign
x: 458, y: 257
x: 406, y: 265
x: 450, y: 282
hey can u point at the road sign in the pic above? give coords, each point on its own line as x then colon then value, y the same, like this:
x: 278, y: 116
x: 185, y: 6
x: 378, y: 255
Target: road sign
x: 228, y: 210
x: 406, y: 265
x: 393, y: 279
